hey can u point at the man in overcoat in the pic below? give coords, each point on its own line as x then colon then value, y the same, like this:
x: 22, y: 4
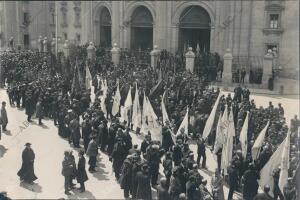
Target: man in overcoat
x: 26, y: 173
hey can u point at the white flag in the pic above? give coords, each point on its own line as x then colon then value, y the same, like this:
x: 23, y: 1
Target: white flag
x: 228, y: 143
x: 88, y: 78
x: 244, y: 136
x: 153, y: 125
x: 165, y: 116
x: 219, y: 141
x: 127, y: 107
x: 185, y: 123
x: 210, y: 121
x: 136, y: 111
x: 259, y: 142
x: 284, y: 164
x: 266, y: 174
x: 117, y: 100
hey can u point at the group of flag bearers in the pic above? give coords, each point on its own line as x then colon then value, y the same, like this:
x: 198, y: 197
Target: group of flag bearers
x: 143, y: 119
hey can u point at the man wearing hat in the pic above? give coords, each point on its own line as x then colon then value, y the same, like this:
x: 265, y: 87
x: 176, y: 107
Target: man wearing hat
x: 26, y: 173
x: 144, y: 189
x: 249, y: 181
x: 265, y: 195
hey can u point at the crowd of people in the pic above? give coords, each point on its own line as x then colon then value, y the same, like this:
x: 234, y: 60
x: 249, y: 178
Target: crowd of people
x: 35, y: 84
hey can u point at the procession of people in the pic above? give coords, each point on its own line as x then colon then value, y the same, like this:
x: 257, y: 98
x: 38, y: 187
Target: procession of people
x: 171, y: 109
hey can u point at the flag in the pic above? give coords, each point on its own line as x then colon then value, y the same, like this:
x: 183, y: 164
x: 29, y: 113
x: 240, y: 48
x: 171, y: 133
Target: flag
x: 88, y: 78
x: 136, y: 111
x: 75, y: 81
x: 185, y: 123
x: 244, y: 136
x: 284, y: 164
x: 219, y: 136
x: 127, y: 107
x: 210, y: 121
x: 117, y: 101
x: 157, y: 90
x: 165, y: 116
x: 259, y: 142
x: 144, y: 128
x: 153, y: 126
x: 266, y: 174
x: 228, y: 148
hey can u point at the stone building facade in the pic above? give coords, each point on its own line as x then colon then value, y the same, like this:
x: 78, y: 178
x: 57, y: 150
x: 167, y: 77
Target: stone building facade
x: 248, y: 28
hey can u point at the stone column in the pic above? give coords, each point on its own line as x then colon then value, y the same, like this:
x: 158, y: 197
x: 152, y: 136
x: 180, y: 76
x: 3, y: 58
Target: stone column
x: 267, y: 68
x: 53, y: 45
x: 66, y: 49
x: 115, y: 54
x: 40, y: 44
x: 189, y: 60
x: 45, y: 45
x: 227, y: 67
x: 154, y: 56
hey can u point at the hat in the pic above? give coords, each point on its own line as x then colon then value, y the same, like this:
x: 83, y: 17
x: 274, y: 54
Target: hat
x: 27, y: 144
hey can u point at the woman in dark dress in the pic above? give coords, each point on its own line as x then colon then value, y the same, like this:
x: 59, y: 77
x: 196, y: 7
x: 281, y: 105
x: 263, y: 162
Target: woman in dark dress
x: 81, y: 173
x: 26, y: 173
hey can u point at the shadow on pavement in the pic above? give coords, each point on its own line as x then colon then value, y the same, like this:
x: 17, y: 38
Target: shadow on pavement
x: 85, y: 195
x: 3, y: 150
x: 34, y: 188
x: 7, y: 132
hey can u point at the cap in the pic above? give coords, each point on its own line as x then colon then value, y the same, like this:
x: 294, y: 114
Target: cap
x: 27, y: 144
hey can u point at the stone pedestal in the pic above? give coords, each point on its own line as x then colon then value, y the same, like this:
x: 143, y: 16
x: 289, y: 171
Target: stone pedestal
x: 45, y: 45
x: 227, y: 67
x: 190, y: 60
x: 66, y: 49
x: 115, y: 54
x: 155, y: 53
x: 40, y: 44
x: 91, y: 51
x: 267, y: 68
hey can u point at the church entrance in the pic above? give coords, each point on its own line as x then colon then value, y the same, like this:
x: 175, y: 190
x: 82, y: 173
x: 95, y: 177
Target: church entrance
x: 194, y: 29
x: 105, y: 28
x: 141, y: 29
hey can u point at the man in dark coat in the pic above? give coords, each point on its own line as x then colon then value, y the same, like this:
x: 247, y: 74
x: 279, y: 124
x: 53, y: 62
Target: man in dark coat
x: 111, y: 138
x: 26, y: 173
x: 276, y: 190
x: 67, y: 170
x: 103, y: 132
x: 81, y: 173
x: 201, y: 152
x: 3, y: 116
x: 145, y: 143
x: 29, y: 107
x: 39, y: 111
x: 86, y: 132
x: 250, y: 184
x: 118, y: 156
x: 92, y: 152
x: 153, y: 158
x: 233, y: 180
x: 75, y: 132
x: 126, y: 176
x: 144, y: 189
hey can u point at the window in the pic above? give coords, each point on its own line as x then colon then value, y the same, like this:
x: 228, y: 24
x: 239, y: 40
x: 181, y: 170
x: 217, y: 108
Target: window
x: 65, y: 36
x: 53, y: 18
x: 274, y: 18
x: 25, y: 18
x: 78, y: 37
x: 26, y: 40
x: 274, y: 48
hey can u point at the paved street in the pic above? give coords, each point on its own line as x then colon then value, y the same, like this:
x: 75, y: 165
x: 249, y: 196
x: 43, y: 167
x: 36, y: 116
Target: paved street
x: 49, y: 148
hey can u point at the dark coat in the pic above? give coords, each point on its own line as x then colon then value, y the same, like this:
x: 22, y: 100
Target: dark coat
x: 126, y: 174
x: 92, y: 149
x: 39, y: 110
x: 3, y: 116
x: 162, y: 193
x: 26, y: 172
x: 81, y: 173
x: 144, y: 189
x: 29, y: 107
x: 75, y: 130
x: 167, y: 141
x: 250, y: 188
x: 67, y: 167
x: 262, y: 196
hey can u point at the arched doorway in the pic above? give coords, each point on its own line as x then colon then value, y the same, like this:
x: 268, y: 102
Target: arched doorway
x: 194, y: 29
x: 141, y: 29
x: 105, y: 28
